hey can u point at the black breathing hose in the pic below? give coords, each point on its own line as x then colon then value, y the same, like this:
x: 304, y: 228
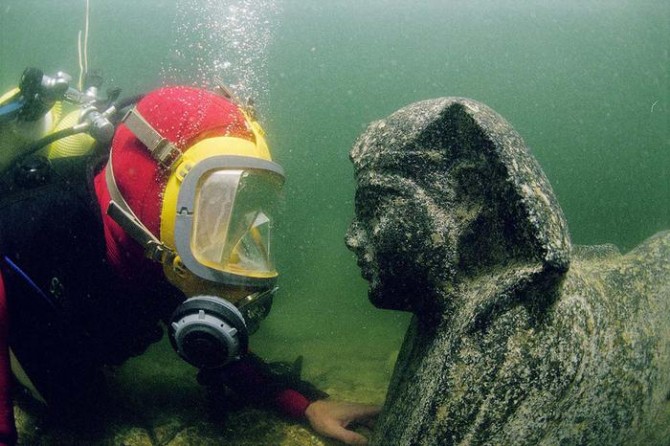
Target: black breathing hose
x: 120, y: 106
x: 124, y: 104
x: 55, y: 136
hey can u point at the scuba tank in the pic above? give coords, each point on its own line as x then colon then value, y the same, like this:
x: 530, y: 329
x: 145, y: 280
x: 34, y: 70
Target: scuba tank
x: 46, y: 117
x: 40, y: 97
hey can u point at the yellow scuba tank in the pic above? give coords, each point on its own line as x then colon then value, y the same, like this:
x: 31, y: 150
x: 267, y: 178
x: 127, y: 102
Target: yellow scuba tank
x: 74, y: 145
x: 16, y: 134
x: 8, y: 96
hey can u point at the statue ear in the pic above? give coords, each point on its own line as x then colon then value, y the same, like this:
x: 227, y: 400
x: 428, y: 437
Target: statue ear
x: 506, y: 224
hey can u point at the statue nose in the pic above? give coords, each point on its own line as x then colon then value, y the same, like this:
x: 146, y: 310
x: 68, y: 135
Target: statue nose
x: 354, y: 237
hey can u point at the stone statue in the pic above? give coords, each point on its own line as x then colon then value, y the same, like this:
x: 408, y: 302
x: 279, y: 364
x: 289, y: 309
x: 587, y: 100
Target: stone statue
x: 518, y: 338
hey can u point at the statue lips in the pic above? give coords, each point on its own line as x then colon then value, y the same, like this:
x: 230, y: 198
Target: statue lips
x: 357, y: 242
x: 366, y: 270
x: 363, y: 263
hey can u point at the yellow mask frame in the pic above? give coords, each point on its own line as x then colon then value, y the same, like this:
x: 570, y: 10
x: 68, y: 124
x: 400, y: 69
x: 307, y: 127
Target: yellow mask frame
x: 224, y: 152
x: 177, y: 213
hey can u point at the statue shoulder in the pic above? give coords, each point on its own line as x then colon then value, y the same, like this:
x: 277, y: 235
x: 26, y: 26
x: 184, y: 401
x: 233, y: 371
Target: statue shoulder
x: 605, y: 251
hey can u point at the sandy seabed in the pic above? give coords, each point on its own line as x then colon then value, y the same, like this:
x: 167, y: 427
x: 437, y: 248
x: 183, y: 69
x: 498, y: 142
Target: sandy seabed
x: 156, y: 401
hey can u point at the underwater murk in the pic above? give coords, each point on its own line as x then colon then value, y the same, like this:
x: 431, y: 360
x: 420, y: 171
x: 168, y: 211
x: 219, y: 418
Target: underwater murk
x: 586, y: 83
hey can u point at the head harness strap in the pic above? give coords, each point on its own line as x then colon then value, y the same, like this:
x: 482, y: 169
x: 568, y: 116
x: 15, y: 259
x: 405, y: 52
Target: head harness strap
x: 119, y: 210
x: 161, y: 149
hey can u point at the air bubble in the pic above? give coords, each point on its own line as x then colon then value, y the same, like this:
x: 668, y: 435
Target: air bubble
x: 224, y: 41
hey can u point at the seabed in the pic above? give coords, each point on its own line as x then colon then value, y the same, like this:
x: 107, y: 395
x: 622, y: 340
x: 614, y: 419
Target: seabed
x: 155, y: 400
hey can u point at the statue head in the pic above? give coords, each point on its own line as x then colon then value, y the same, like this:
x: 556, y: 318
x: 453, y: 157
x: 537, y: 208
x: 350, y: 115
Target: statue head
x: 450, y: 203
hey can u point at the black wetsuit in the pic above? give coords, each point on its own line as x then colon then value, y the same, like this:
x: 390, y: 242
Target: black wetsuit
x: 70, y: 312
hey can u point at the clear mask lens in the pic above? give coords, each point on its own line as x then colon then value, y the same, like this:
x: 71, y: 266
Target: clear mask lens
x: 232, y: 223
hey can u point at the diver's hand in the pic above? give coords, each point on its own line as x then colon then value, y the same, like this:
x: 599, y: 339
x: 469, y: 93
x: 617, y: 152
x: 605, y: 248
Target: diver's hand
x: 330, y: 418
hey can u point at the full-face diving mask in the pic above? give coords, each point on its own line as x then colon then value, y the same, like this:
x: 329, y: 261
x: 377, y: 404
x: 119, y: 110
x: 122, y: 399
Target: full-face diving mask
x: 216, y: 226
x: 218, y: 211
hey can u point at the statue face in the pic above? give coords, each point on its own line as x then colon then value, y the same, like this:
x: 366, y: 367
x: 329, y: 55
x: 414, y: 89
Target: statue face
x: 392, y: 237
x: 448, y: 193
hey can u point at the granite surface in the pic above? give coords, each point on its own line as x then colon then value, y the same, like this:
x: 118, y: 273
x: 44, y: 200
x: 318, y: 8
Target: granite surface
x: 517, y: 337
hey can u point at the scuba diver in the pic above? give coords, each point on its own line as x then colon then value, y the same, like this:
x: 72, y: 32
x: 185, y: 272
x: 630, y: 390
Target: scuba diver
x: 120, y: 217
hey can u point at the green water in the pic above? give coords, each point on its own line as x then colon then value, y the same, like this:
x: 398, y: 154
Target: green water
x: 586, y: 83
